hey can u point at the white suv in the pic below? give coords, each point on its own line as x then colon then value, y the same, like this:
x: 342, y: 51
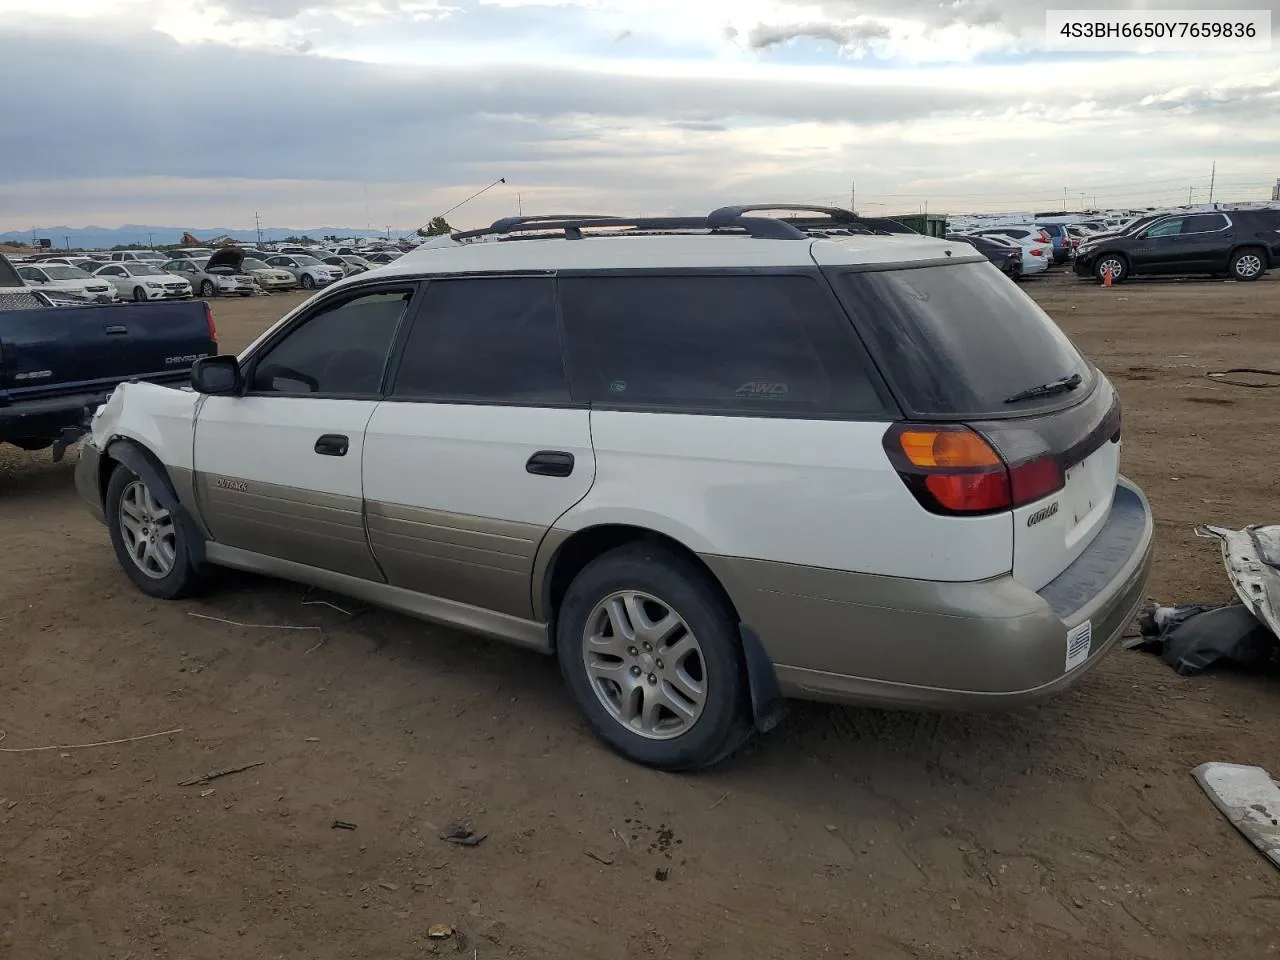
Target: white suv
x: 710, y: 463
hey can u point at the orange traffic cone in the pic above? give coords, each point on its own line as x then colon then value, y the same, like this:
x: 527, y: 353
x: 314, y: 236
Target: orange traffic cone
x: 1106, y: 278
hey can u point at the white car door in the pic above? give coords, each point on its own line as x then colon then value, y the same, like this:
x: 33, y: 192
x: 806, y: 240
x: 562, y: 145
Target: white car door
x: 478, y: 449
x: 278, y: 468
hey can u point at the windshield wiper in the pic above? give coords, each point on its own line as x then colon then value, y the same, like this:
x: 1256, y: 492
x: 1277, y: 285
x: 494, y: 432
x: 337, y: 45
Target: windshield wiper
x: 1062, y: 385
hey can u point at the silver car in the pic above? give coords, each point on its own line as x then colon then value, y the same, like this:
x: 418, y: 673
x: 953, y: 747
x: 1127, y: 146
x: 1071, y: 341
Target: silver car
x: 215, y: 276
x: 311, y: 273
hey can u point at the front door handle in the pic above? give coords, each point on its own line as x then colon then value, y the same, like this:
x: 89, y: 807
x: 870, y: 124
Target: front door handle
x: 333, y: 445
x: 550, y: 463
x: 115, y: 329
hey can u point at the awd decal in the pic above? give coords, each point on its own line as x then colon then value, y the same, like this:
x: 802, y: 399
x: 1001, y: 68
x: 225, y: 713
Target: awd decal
x: 762, y: 388
x: 222, y: 483
x: 1042, y: 515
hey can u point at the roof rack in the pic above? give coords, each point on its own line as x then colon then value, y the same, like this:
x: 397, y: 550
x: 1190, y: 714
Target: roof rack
x: 830, y: 220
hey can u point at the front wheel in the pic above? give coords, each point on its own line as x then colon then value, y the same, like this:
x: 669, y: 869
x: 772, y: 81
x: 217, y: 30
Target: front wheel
x: 207, y: 289
x: 307, y: 282
x: 1117, y: 267
x: 148, y: 540
x: 650, y: 650
x: 1247, y: 265
x: 139, y: 295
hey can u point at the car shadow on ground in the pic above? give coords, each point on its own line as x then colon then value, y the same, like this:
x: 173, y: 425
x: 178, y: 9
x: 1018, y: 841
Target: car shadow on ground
x: 851, y: 747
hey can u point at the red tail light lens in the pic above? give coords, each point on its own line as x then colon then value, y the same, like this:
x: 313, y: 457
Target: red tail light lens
x: 1037, y: 252
x: 953, y: 470
x: 213, y: 329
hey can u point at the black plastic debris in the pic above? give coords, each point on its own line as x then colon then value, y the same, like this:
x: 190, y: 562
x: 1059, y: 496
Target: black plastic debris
x: 1196, y: 636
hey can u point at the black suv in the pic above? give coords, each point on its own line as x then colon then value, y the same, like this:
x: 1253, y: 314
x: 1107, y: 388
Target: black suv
x: 1241, y: 243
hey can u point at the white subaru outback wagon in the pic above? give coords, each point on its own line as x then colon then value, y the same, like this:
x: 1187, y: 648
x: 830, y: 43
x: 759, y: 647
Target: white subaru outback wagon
x: 709, y: 463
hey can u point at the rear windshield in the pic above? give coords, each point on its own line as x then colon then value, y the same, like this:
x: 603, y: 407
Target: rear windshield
x: 959, y: 340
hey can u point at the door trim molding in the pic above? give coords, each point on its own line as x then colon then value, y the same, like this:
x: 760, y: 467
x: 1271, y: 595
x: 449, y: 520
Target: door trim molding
x: 500, y: 626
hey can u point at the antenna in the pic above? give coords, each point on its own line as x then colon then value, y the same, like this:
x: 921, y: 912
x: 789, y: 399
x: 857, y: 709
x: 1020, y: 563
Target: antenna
x: 1213, y: 177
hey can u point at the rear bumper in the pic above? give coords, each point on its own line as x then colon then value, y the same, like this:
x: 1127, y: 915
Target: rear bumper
x: 48, y: 417
x: 882, y: 641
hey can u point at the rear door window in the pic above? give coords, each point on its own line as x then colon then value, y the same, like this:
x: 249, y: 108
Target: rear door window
x: 957, y: 341
x: 485, y: 339
x: 725, y: 343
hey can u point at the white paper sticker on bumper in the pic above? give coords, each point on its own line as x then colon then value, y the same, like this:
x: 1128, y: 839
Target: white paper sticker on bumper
x: 1079, y: 642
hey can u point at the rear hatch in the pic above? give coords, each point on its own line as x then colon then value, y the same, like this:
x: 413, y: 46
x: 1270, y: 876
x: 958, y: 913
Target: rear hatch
x: 964, y: 349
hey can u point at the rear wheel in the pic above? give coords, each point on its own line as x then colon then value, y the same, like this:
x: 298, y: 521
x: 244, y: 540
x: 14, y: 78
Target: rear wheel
x: 1117, y: 266
x: 148, y: 540
x: 1248, y: 264
x: 307, y: 282
x: 139, y: 295
x: 650, y: 650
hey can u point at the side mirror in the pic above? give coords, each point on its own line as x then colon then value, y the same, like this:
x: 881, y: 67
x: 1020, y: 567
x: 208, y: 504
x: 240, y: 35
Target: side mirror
x: 216, y: 375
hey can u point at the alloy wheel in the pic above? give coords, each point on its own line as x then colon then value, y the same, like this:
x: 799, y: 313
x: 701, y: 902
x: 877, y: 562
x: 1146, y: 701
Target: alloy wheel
x: 645, y: 665
x: 149, y: 534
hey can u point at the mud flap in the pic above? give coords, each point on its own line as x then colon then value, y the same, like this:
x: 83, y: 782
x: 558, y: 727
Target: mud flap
x: 768, y: 706
x: 133, y: 457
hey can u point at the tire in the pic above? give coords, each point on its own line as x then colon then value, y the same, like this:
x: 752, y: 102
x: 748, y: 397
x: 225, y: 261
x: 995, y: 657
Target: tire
x: 1248, y: 264
x: 307, y: 282
x: 653, y: 581
x: 139, y: 295
x: 207, y: 289
x: 1119, y: 268
x: 166, y: 574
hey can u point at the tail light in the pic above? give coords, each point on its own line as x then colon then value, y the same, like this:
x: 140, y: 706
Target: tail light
x: 213, y: 329
x: 1037, y: 252
x: 952, y: 470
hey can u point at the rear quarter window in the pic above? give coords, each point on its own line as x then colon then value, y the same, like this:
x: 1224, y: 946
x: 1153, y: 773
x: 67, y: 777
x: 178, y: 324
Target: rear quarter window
x: 733, y: 343
x: 957, y: 341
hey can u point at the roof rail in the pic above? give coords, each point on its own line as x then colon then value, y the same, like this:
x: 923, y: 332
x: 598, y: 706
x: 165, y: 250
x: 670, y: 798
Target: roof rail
x: 724, y: 215
x: 572, y: 227
x: 733, y: 218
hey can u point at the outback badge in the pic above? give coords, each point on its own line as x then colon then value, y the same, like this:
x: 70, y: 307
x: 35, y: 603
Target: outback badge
x: 1044, y: 514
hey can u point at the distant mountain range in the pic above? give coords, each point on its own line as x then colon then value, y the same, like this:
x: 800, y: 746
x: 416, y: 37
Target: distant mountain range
x: 143, y: 235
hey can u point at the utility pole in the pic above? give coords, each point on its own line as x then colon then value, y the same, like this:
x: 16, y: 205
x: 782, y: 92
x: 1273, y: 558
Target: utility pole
x: 853, y: 198
x: 150, y: 242
x: 66, y: 242
x: 1190, y: 191
x: 1213, y: 178
x: 257, y: 225
x: 1064, y: 199
x: 520, y: 204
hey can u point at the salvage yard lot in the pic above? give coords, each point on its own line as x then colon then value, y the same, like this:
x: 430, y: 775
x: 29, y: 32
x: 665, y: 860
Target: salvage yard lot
x: 1068, y: 830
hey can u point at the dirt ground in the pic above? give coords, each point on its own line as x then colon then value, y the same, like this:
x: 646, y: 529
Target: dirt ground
x: 1069, y: 830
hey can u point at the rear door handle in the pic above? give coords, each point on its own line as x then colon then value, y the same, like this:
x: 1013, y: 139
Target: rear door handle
x: 333, y: 445
x: 550, y: 463
x: 115, y: 329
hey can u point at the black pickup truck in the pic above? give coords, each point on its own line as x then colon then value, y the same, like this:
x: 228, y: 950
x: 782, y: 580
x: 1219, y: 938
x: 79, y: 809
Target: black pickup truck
x: 58, y: 363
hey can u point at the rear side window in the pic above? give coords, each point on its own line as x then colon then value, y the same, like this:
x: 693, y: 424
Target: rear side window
x: 486, y: 339
x: 757, y: 344
x: 958, y: 340
x: 1204, y: 223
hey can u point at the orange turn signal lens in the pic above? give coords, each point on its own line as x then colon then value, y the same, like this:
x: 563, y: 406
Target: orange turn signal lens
x: 948, y: 448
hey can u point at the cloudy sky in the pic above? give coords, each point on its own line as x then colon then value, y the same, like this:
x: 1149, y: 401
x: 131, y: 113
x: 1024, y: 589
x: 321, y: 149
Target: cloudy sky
x: 385, y: 112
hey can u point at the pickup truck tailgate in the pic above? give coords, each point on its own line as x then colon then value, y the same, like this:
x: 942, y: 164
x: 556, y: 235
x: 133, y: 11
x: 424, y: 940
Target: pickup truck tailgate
x: 66, y: 350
